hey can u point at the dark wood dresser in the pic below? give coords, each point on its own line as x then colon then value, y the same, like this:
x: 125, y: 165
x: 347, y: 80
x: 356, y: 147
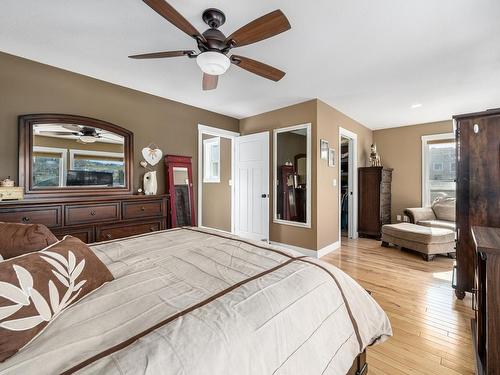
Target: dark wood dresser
x: 478, y: 191
x: 486, y: 301
x: 92, y: 219
x: 374, y: 200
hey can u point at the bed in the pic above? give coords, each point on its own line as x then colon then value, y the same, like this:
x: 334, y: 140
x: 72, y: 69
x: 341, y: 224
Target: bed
x: 192, y: 301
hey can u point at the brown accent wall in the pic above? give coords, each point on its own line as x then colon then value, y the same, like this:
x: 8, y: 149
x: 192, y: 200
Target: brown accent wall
x: 302, y: 113
x: 30, y: 87
x: 325, y: 123
x: 216, y: 203
x: 329, y: 122
x: 401, y: 149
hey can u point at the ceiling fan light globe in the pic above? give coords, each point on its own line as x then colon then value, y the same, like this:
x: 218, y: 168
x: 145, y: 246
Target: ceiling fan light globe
x: 87, y: 138
x: 213, y: 63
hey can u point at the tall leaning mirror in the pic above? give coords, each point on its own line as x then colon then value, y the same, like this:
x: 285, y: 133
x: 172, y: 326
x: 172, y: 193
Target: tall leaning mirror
x: 64, y: 154
x: 292, y: 175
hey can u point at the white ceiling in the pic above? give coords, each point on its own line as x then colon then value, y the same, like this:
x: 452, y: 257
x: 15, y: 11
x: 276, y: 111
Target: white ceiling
x: 371, y: 59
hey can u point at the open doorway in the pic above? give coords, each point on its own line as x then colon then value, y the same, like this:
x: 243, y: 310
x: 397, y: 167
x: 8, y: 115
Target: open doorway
x: 348, y: 184
x: 215, y: 178
x: 344, y: 185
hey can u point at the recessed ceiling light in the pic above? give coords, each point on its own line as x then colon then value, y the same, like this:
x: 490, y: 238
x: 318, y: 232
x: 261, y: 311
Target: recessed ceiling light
x: 416, y: 105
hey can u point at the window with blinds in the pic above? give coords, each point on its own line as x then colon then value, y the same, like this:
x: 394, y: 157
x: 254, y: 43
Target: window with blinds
x: 48, y: 166
x: 438, y: 167
x: 211, y: 160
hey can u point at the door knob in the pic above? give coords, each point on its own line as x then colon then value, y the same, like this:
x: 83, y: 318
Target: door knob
x: 264, y: 196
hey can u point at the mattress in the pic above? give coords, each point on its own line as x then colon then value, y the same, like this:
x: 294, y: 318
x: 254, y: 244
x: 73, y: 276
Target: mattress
x: 192, y: 301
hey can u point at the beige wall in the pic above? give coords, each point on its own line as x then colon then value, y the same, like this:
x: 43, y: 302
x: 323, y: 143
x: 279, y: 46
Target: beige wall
x: 401, y: 149
x: 325, y: 122
x: 216, y: 203
x: 29, y: 87
x: 329, y: 122
x: 302, y: 113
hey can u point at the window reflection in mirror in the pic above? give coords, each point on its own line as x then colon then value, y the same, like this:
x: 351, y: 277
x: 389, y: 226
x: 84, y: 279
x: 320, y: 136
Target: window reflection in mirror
x: 71, y: 155
x: 292, y: 168
x: 182, y: 201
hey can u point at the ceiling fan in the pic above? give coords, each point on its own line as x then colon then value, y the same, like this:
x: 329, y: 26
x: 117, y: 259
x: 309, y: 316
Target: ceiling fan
x: 85, y: 134
x: 214, y: 45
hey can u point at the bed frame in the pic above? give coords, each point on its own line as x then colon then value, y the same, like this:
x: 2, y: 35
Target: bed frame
x: 359, y: 366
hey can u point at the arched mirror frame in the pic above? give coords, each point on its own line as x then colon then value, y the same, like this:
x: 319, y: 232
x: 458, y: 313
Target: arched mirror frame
x: 26, y: 123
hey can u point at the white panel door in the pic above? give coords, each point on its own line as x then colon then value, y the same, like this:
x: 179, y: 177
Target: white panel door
x: 251, y: 188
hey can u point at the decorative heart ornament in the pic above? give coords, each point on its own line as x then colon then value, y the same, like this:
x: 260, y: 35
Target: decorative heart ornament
x: 152, y: 155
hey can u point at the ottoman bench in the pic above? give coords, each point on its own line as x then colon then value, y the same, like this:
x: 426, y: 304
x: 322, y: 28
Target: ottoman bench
x: 428, y: 241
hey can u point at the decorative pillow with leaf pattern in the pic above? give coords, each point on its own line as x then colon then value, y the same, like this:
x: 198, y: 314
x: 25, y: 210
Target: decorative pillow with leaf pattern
x: 35, y: 288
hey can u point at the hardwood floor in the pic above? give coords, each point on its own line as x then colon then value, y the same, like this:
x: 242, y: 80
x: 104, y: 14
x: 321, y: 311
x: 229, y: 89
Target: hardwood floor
x: 431, y: 327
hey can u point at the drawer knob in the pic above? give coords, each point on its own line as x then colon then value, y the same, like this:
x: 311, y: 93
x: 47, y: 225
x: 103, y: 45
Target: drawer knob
x: 92, y: 213
x: 143, y: 208
x: 25, y: 219
x: 109, y: 236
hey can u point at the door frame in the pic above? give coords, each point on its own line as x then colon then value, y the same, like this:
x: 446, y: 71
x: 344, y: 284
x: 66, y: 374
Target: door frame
x: 352, y: 226
x: 222, y: 133
x: 264, y: 135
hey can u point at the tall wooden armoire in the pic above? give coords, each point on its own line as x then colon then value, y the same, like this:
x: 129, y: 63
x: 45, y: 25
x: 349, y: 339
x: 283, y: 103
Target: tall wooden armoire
x: 478, y: 205
x: 374, y: 200
x: 478, y: 186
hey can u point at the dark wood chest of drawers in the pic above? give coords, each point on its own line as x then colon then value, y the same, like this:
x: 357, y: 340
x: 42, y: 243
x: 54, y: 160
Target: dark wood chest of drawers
x: 486, y: 300
x: 92, y: 219
x: 374, y: 200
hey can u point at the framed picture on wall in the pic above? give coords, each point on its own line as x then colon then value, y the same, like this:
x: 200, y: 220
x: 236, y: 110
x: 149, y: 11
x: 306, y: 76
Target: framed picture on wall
x: 323, y: 146
x: 331, y: 157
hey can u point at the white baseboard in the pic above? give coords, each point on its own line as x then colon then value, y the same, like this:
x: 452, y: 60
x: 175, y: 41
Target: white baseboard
x: 328, y: 249
x: 309, y: 252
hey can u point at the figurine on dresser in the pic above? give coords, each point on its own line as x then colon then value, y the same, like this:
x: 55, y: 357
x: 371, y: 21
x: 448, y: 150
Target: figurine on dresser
x: 374, y: 156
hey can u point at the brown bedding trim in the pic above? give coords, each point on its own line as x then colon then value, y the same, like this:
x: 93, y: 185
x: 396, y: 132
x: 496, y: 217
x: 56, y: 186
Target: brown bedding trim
x: 353, y: 321
x: 132, y: 339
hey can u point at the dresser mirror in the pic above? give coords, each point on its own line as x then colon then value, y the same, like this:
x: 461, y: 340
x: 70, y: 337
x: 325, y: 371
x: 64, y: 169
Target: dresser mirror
x: 67, y: 155
x: 292, y: 175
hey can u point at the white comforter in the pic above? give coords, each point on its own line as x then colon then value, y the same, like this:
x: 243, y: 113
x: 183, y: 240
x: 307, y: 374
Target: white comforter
x: 284, y: 316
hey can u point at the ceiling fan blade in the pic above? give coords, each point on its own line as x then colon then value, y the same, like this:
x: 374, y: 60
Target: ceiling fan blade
x: 271, y: 24
x: 168, y: 12
x: 72, y: 127
x: 57, y: 133
x: 258, y: 68
x: 210, y: 81
x: 161, y: 55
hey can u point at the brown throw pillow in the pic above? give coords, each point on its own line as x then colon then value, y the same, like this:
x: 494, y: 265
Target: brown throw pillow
x: 36, y: 287
x: 18, y: 239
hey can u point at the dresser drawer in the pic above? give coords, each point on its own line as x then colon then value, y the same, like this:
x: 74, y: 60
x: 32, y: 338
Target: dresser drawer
x: 91, y: 213
x: 86, y: 234
x: 115, y: 231
x: 133, y: 210
x: 49, y: 216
